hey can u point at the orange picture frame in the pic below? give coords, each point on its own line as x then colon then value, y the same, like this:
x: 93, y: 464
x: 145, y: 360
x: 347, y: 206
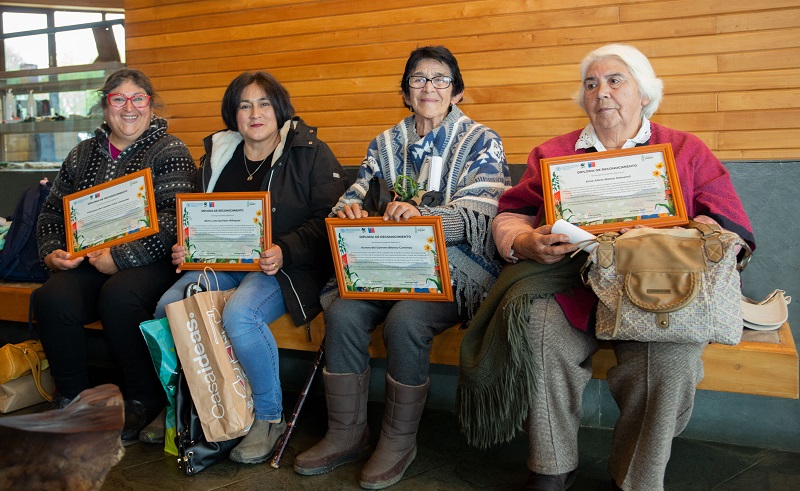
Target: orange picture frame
x: 226, y: 231
x: 114, y: 212
x: 608, y: 191
x: 386, y: 260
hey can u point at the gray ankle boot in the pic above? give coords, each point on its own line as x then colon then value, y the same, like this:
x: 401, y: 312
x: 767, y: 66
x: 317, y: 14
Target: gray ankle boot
x: 347, y: 439
x: 259, y: 443
x: 397, y: 445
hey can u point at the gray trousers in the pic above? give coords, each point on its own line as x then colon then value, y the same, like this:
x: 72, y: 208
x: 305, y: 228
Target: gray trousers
x: 408, y: 330
x: 653, y: 384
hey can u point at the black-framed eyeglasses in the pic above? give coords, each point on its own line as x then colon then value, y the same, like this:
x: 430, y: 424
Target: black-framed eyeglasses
x: 418, y: 82
x: 138, y: 100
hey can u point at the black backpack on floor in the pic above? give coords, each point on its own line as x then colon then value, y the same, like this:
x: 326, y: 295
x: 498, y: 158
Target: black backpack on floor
x: 19, y: 258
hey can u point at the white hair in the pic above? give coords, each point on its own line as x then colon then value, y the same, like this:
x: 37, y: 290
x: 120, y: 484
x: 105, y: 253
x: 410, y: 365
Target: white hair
x: 650, y: 86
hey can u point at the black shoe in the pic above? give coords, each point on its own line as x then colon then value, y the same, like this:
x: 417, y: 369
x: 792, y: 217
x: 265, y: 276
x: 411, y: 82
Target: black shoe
x: 58, y: 402
x: 137, y: 417
x: 547, y: 482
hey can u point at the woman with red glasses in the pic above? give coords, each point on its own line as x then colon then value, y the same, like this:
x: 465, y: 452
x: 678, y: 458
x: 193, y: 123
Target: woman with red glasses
x: 119, y: 285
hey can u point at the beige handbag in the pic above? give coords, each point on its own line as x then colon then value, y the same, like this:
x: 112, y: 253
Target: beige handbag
x: 668, y: 285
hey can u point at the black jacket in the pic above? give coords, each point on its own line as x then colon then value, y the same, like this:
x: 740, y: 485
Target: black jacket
x: 305, y: 182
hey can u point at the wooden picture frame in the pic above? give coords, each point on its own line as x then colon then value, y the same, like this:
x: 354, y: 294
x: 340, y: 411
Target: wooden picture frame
x: 607, y: 191
x: 386, y: 260
x: 226, y: 231
x: 114, y: 212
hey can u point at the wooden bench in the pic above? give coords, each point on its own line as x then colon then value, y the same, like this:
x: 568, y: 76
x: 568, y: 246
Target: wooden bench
x: 767, y: 367
x: 15, y: 298
x: 764, y: 363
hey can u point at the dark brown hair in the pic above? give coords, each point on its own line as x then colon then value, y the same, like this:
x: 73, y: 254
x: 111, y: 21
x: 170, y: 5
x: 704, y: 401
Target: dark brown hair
x: 276, y: 93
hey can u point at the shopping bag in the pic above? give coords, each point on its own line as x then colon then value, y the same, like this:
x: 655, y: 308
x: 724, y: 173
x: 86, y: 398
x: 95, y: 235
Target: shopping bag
x: 162, y: 350
x: 216, y: 380
x: 23, y: 392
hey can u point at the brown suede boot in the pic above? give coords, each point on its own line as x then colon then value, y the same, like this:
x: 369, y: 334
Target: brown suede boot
x: 397, y: 445
x: 259, y: 443
x: 347, y: 439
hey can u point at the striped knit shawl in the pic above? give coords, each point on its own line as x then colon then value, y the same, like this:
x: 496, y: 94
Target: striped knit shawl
x: 474, y: 175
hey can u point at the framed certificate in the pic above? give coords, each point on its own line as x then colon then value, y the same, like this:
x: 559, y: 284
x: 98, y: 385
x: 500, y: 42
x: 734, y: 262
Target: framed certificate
x: 607, y: 191
x: 377, y: 260
x: 225, y: 230
x: 117, y: 211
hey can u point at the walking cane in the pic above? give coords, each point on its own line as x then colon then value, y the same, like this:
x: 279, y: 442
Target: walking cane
x: 284, y: 441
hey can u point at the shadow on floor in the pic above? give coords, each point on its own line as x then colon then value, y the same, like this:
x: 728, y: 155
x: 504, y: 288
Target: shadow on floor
x: 445, y: 462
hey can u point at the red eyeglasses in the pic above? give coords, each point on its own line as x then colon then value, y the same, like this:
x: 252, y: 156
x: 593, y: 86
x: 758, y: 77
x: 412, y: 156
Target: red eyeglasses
x: 138, y: 100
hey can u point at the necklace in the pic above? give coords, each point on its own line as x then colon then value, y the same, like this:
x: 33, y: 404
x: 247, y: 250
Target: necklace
x: 247, y: 169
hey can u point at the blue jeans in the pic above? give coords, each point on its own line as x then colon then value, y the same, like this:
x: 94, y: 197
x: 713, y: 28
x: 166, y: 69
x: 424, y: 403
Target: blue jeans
x: 246, y: 317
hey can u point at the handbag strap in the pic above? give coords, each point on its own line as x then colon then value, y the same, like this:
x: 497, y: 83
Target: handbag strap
x: 747, y: 254
x: 711, y: 231
x: 32, y: 357
x: 377, y: 197
x: 706, y: 229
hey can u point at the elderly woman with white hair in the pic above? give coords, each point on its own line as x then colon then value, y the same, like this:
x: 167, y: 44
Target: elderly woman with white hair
x: 652, y: 383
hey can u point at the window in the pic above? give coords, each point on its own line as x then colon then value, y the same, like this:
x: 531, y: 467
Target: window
x: 46, y: 38
x: 54, y: 60
x: 25, y: 52
x: 75, y: 47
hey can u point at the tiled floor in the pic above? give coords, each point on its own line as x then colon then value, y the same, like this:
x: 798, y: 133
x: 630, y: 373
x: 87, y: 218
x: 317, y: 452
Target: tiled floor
x: 445, y: 462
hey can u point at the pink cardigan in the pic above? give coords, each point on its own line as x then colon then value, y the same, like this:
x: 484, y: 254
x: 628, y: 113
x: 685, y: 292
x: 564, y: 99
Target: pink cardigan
x: 705, y: 183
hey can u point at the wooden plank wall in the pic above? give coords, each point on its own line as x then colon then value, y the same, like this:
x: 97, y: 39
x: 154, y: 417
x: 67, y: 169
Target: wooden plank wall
x: 730, y: 67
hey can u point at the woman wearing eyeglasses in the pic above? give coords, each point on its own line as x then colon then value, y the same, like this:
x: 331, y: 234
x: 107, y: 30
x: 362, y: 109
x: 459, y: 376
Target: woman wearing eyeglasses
x: 119, y: 285
x: 474, y: 175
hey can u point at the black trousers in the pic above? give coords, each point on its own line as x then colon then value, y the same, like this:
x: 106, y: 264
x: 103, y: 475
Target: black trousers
x: 70, y: 299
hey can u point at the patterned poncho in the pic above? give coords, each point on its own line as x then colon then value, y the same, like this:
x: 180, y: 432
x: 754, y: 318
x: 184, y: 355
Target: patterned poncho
x: 474, y: 175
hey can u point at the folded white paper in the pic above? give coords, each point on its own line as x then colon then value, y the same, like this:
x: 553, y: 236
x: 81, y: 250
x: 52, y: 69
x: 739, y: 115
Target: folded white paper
x: 435, y: 173
x: 575, y: 233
